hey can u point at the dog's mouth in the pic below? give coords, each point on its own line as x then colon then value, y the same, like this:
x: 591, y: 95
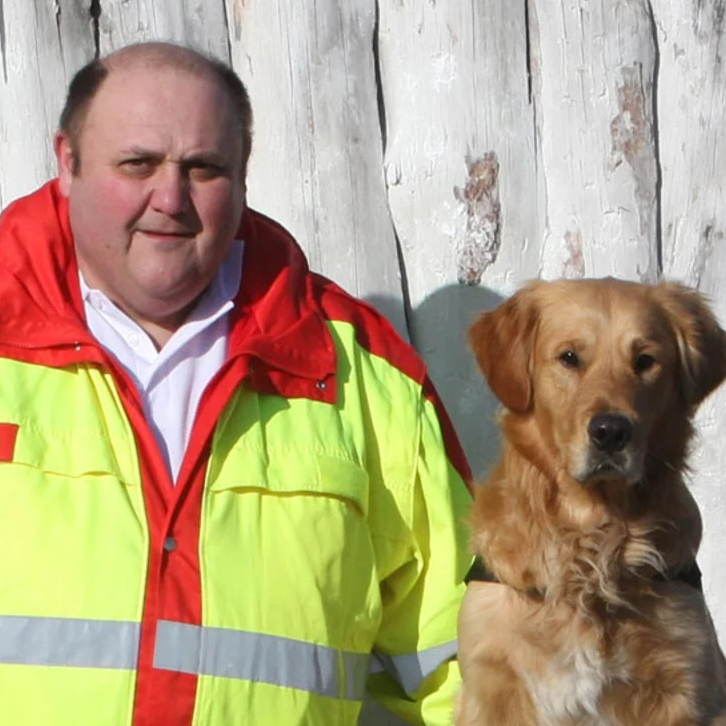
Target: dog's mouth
x: 605, y: 468
x: 592, y: 466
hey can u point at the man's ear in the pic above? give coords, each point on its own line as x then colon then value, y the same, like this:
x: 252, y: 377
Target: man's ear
x: 66, y: 158
x: 502, y: 341
x: 701, y: 341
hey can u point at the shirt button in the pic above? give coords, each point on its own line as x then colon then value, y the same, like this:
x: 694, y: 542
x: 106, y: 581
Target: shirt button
x: 169, y: 544
x: 97, y: 301
x: 133, y: 340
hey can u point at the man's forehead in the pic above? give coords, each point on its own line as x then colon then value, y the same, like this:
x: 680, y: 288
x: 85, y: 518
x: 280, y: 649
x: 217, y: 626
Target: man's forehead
x: 132, y: 114
x: 139, y: 88
x: 137, y: 74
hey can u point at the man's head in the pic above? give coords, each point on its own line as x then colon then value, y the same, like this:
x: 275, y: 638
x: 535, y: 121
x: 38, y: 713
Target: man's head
x: 152, y: 154
x: 88, y: 80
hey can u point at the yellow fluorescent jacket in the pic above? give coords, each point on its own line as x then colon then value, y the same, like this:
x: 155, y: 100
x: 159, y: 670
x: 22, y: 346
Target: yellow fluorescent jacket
x: 311, y: 550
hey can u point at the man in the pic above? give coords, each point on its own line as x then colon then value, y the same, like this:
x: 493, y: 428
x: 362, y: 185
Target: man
x: 228, y: 493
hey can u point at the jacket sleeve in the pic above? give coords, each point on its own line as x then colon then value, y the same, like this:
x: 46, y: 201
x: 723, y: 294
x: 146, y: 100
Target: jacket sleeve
x: 414, y: 673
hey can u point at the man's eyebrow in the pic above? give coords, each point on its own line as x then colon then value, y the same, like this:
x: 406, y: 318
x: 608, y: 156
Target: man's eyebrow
x: 197, y: 157
x: 141, y: 151
x: 205, y: 157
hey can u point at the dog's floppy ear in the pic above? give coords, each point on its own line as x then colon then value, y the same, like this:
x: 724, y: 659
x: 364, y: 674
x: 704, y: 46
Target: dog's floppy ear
x: 502, y: 342
x: 701, y: 341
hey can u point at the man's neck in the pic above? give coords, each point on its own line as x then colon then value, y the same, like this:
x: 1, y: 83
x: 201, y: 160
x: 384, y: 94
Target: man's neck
x: 161, y: 331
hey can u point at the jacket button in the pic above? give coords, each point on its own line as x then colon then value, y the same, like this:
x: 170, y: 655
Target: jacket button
x: 320, y: 385
x: 169, y: 544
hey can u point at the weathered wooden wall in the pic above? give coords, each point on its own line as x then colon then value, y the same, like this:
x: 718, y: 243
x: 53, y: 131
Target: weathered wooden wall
x: 430, y: 155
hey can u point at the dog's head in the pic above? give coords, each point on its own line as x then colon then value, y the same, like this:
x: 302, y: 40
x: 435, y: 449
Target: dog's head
x: 611, y: 371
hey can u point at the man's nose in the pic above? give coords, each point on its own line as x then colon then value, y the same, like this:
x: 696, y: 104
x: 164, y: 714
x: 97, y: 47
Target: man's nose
x: 170, y: 190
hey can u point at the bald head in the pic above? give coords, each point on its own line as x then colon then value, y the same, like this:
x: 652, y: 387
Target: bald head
x: 158, y: 55
x: 153, y: 55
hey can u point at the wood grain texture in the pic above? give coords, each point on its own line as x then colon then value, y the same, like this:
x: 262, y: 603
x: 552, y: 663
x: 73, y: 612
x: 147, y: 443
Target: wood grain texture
x: 41, y: 46
x: 199, y: 24
x: 594, y: 93
x: 462, y: 180
x: 316, y: 160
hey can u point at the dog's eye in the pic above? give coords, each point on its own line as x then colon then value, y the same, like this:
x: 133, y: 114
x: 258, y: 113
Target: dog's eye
x: 643, y: 363
x: 569, y: 359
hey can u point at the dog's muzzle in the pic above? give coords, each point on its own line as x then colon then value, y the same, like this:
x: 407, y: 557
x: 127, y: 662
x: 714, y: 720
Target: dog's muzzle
x: 609, y: 455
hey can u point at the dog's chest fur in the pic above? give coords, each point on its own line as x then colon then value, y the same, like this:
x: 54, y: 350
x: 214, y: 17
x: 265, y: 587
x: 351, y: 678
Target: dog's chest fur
x: 570, y: 687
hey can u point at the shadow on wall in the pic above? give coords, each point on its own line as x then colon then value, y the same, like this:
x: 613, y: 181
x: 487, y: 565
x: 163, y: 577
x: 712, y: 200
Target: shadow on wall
x: 438, y: 329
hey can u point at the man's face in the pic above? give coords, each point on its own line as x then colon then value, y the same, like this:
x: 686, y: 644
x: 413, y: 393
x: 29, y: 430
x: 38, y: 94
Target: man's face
x: 157, y: 199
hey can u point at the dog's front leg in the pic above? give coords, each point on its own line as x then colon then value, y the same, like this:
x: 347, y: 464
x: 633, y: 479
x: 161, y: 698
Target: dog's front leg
x: 495, y: 697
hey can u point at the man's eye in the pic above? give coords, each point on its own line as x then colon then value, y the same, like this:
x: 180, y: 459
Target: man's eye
x: 137, y: 165
x: 202, y: 171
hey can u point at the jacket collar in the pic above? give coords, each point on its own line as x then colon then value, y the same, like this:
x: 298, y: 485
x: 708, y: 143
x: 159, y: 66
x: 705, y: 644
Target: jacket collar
x: 276, y: 323
x: 276, y: 317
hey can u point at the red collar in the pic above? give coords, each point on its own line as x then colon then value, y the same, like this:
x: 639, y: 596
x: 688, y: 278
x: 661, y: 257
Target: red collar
x: 276, y: 323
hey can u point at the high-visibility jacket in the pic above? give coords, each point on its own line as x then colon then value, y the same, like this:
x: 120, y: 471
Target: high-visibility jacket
x: 311, y: 549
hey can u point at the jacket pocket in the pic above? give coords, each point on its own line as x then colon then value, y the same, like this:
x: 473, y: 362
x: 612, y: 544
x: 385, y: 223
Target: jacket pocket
x: 286, y: 548
x: 291, y: 471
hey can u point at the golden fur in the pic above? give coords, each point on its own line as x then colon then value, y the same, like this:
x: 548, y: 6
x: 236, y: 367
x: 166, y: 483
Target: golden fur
x: 585, y: 520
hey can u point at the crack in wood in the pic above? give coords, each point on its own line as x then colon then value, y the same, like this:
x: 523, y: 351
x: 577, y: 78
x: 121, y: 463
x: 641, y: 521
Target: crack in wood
x: 655, y: 130
x: 710, y: 239
x: 59, y: 35
x: 2, y: 41
x: 94, y: 10
x: 528, y: 49
x: 383, y: 127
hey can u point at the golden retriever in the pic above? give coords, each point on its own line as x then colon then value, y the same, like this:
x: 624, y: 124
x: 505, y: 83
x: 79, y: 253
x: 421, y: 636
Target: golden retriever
x: 587, y: 530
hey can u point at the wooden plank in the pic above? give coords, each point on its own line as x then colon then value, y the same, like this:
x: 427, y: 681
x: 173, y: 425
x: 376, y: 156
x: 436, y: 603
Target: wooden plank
x: 692, y: 113
x: 200, y: 24
x: 41, y: 46
x: 462, y: 181
x: 594, y: 101
x: 316, y: 158
x: 459, y: 155
x: 692, y: 109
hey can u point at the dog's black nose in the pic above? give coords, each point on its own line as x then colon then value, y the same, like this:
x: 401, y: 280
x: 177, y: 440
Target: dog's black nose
x: 610, y: 432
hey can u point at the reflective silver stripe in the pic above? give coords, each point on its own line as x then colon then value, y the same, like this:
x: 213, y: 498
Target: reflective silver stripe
x: 355, y: 667
x: 410, y: 670
x: 376, y: 665
x: 69, y: 642
x: 261, y: 658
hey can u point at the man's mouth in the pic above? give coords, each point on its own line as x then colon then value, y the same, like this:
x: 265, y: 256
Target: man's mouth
x: 167, y: 235
x: 167, y: 232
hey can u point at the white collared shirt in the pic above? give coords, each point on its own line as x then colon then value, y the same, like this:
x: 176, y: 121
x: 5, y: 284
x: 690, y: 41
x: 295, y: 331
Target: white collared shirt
x: 170, y: 381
